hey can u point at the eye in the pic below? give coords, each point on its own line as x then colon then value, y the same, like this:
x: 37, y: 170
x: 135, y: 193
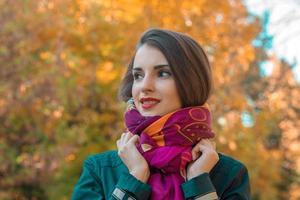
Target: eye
x: 164, y: 73
x: 137, y: 76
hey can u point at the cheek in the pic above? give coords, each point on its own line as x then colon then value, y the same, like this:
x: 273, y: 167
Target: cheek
x: 134, y: 93
x: 174, y: 96
x: 170, y: 89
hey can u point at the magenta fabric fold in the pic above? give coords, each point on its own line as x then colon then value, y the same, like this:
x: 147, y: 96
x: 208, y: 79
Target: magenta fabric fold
x: 166, y: 143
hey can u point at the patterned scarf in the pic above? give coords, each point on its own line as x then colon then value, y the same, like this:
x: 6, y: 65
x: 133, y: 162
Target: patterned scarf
x: 166, y: 143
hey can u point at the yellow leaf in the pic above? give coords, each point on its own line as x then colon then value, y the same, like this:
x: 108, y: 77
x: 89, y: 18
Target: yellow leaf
x: 106, y: 73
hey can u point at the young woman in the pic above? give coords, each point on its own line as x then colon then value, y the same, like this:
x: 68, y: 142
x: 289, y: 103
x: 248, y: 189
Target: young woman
x: 166, y: 152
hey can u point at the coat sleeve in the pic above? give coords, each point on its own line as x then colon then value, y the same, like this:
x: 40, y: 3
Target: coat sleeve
x: 239, y: 187
x: 89, y: 186
x: 202, y: 188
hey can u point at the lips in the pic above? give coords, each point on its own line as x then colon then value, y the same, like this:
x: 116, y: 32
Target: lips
x: 148, y: 102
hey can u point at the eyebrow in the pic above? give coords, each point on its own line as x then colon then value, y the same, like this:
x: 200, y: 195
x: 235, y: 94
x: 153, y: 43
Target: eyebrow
x: 156, y: 67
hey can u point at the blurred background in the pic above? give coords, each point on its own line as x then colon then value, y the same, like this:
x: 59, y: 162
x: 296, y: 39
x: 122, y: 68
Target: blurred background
x: 60, y: 68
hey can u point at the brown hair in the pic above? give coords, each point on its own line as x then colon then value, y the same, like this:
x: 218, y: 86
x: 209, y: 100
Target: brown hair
x: 188, y: 63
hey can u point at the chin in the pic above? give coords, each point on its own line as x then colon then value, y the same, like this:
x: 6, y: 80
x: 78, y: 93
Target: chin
x: 148, y: 114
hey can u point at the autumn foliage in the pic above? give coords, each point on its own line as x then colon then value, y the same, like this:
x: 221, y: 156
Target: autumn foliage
x: 60, y: 67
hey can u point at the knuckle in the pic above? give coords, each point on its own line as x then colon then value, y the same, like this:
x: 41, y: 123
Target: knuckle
x: 212, y: 153
x: 215, y: 156
x: 125, y: 147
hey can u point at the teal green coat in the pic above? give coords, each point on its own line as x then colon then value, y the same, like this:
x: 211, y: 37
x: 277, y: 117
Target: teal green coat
x: 104, y: 176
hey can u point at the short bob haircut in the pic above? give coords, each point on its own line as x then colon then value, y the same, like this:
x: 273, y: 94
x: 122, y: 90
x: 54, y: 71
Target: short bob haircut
x: 188, y: 63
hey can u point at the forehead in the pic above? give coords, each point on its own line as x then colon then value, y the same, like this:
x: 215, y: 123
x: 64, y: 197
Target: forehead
x: 148, y: 55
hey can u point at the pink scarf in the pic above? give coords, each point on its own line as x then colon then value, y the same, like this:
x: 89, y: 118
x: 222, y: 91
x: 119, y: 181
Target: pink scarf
x: 166, y: 143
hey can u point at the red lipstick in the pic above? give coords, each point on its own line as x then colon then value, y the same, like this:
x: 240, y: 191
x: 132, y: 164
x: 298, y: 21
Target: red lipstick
x: 148, y: 102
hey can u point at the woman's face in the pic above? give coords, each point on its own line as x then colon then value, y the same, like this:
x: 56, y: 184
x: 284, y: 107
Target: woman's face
x: 154, y: 90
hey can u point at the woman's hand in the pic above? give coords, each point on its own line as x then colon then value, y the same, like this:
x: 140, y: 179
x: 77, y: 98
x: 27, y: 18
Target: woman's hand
x: 205, y: 158
x: 132, y: 158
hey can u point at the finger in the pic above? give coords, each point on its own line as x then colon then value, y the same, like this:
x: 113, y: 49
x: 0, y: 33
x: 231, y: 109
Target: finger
x: 196, y: 152
x: 129, y: 133
x: 207, y: 142
x: 211, y: 143
x: 122, y: 137
x: 118, y: 144
x: 127, y: 137
x: 202, y: 147
x: 134, y: 139
x: 199, y: 148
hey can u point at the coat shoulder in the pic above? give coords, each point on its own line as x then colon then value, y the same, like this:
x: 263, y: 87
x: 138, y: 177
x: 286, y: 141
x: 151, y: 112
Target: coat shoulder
x: 228, y: 165
x: 230, y: 162
x: 105, y: 159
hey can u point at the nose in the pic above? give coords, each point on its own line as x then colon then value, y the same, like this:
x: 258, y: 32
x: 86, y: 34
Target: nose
x: 148, y: 84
